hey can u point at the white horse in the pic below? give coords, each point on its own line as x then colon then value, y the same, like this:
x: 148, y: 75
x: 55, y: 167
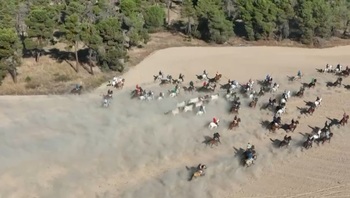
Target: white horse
x: 280, y: 112
x: 161, y: 96
x: 194, y: 100
x: 287, y: 94
x: 181, y: 104
x: 275, y: 88
x: 105, y: 103
x: 318, y: 102
x: 252, y: 94
x: 188, y: 108
x: 174, y: 111
x: 212, y: 125
x: 201, y: 112
x: 198, y: 104
x: 214, y: 97
x: 172, y: 94
x: 328, y: 68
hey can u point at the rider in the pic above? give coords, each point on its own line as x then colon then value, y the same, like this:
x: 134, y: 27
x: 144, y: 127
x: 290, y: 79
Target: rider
x: 77, y: 86
x: 216, y: 121
x: 181, y: 77
x: 202, y: 108
x: 216, y: 136
x: 268, y: 77
x: 293, y: 121
x: 191, y: 84
x: 312, y: 81
x: 299, y: 74
x: 138, y: 89
x: 175, y: 88
x: 109, y: 92
x: 205, y: 73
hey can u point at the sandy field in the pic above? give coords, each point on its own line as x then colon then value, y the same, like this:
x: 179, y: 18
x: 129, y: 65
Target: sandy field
x: 70, y: 147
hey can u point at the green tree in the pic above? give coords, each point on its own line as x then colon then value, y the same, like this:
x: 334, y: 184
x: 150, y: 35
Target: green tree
x: 154, y: 17
x: 40, y: 24
x: 189, y: 13
x: 72, y: 26
x: 9, y: 53
x: 341, y: 10
x: 111, y: 54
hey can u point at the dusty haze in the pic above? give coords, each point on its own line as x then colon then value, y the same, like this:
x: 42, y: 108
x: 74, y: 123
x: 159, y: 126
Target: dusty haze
x: 68, y: 146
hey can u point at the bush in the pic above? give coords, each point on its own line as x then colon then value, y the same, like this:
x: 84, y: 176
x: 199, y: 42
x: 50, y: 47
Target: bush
x: 154, y: 17
x: 62, y: 78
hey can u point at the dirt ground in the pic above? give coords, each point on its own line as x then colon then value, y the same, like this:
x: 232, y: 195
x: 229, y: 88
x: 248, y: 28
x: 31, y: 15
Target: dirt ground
x: 49, y: 76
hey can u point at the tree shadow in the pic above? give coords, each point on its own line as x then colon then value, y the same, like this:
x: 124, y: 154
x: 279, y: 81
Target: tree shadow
x: 64, y: 56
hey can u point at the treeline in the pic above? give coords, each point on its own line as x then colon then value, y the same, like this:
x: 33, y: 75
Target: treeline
x: 108, y: 28
x: 302, y: 20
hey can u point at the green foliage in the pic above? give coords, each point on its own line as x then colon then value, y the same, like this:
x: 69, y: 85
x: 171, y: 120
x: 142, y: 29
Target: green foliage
x: 40, y: 25
x: 9, y: 52
x: 113, y: 50
x: 154, y: 17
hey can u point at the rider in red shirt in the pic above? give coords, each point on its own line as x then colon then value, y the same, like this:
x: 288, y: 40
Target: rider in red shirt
x: 215, y: 121
x: 138, y: 89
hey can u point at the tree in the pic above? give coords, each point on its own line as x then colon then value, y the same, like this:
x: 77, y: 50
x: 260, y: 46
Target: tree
x: 72, y: 26
x: 154, y: 17
x: 111, y: 54
x: 40, y: 23
x: 9, y: 53
x: 188, y: 12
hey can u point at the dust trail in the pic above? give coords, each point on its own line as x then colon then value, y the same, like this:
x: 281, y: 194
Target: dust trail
x: 70, y: 147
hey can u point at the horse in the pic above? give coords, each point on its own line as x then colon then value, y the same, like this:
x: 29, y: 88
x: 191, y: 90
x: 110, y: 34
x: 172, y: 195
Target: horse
x: 280, y: 111
x: 344, y: 120
x: 213, y: 141
x: 253, y: 103
x: 285, y: 141
x: 312, y: 84
x: 105, y: 102
x: 212, y: 125
x: 174, y: 111
x: 234, y: 108
x: 307, y: 144
x: 200, y: 112
x: 166, y: 81
x: 275, y: 87
x: 337, y: 83
x: 234, y: 123
x: 271, y: 104
x: 215, y: 79
x: 77, y: 90
x: 157, y: 77
x: 188, y: 108
x: 325, y: 138
x: 181, y: 104
x: 300, y: 93
x: 292, y: 126
x: 310, y: 110
x: 202, y: 77
x: 249, y: 161
x: 120, y: 84
x: 273, y: 126
x: 198, y: 173
x: 318, y: 101
x: 188, y: 89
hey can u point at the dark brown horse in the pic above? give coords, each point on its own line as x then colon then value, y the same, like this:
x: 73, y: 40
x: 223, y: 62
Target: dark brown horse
x: 285, y: 142
x: 77, y: 90
x: 215, y: 79
x: 307, y: 144
x: 310, y: 110
x: 234, y: 123
x: 234, y: 109
x: 213, y: 141
x: 337, y: 83
x: 292, y: 126
x: 300, y: 93
x: 325, y: 138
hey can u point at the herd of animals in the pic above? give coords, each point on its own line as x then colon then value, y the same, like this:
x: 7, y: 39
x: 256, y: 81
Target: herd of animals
x: 233, y: 92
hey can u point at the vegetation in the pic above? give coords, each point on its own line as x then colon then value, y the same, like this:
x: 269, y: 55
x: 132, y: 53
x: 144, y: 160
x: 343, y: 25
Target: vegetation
x: 106, y: 29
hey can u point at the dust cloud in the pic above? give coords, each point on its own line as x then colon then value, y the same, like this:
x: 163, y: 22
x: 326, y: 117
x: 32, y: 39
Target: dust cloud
x: 69, y: 146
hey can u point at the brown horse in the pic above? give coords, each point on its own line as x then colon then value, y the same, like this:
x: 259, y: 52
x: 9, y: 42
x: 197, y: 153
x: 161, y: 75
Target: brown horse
x: 77, y: 90
x: 310, y: 110
x: 285, y: 141
x: 292, y: 126
x: 198, y: 173
x: 215, y: 79
x: 307, y: 144
x: 324, y: 139
x: 234, y: 109
x: 300, y: 93
x: 213, y: 141
x: 344, y: 120
x: 273, y: 126
x: 234, y: 123
x: 253, y: 103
